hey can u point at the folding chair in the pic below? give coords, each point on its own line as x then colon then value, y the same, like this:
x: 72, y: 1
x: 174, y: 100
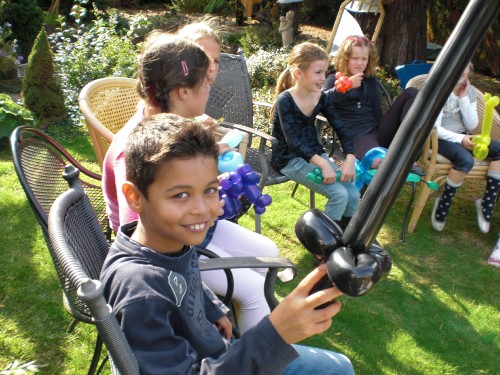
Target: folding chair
x: 80, y: 248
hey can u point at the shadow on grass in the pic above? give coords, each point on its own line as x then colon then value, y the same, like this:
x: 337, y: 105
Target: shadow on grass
x: 33, y: 322
x: 437, y: 310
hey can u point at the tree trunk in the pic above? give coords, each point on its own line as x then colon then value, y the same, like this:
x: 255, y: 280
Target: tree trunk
x: 403, y: 35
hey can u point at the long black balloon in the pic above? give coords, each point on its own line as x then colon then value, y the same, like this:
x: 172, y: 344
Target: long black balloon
x: 418, y: 123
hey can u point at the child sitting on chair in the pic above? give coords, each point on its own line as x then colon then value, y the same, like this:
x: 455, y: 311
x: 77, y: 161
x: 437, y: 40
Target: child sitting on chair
x: 152, y: 280
x: 458, y: 116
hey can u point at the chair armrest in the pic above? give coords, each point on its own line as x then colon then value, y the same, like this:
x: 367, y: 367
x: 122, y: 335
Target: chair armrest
x: 251, y: 131
x: 273, y: 264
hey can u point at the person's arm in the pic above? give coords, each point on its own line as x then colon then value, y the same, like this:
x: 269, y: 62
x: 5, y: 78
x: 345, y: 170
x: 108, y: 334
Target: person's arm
x: 468, y: 109
x: 216, y: 312
x: 445, y: 134
x: 377, y: 109
x: 149, y: 329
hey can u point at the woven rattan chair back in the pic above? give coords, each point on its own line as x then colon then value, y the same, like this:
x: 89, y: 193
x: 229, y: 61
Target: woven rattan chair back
x: 107, y: 104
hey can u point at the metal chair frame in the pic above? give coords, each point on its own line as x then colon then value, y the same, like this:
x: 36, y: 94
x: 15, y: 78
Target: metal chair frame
x: 39, y: 162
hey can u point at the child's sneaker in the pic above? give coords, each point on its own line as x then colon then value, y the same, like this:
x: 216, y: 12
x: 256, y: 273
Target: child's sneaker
x: 494, y: 258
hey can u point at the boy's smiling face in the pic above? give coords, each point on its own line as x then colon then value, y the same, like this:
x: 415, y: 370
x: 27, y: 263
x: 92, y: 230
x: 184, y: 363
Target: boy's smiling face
x: 182, y: 203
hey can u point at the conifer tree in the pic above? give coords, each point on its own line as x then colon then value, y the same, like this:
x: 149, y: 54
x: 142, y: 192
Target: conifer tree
x: 42, y: 93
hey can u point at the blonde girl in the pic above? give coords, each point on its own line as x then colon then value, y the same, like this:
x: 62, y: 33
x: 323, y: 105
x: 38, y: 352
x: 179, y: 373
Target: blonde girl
x: 359, y: 107
x: 298, y: 100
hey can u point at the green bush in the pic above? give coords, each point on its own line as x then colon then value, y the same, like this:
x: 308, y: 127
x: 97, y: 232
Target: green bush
x: 189, y: 6
x: 26, y: 18
x: 264, y: 67
x: 42, y: 93
x: 223, y: 7
x: 12, y: 115
x: 254, y: 38
x: 87, y: 52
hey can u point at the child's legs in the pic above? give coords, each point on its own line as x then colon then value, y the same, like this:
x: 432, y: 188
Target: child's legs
x: 318, y: 361
x: 494, y: 156
x: 233, y: 240
x: 390, y: 122
x: 365, y: 143
x: 239, y: 241
x: 342, y: 199
x: 248, y: 291
x: 460, y: 157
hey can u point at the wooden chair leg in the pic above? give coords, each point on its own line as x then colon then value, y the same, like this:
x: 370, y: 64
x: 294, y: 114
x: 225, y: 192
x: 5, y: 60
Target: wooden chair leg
x: 422, y: 196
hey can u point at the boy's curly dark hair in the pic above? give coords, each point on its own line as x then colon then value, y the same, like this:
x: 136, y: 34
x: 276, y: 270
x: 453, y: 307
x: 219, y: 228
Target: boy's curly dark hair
x: 160, y: 139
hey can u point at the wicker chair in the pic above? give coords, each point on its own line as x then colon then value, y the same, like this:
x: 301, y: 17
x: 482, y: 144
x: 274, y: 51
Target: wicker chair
x: 80, y: 249
x: 107, y: 104
x: 39, y: 162
x: 436, y: 166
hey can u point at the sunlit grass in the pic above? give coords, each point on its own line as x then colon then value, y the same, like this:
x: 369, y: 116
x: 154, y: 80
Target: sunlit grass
x: 437, y: 312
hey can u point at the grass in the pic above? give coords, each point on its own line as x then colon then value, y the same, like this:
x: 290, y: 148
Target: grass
x: 437, y: 312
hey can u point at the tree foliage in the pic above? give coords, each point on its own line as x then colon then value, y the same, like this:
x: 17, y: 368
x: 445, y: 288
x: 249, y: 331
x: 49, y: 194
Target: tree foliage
x: 26, y: 18
x: 42, y: 93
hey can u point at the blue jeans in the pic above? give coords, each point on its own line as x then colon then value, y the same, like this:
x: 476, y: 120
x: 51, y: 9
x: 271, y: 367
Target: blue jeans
x: 318, y: 361
x: 343, y: 197
x: 462, y: 158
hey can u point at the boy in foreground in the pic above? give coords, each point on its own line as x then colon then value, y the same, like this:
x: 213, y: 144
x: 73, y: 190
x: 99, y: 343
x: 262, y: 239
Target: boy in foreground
x: 152, y: 280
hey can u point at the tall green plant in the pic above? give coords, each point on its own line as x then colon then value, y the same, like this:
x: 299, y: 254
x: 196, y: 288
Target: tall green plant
x: 41, y: 92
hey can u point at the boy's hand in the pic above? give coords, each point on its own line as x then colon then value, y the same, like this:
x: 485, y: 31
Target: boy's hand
x: 224, y: 326
x: 296, y: 319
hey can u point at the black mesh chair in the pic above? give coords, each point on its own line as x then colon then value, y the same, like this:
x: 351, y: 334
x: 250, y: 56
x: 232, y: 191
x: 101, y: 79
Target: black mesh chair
x: 80, y: 248
x: 39, y: 162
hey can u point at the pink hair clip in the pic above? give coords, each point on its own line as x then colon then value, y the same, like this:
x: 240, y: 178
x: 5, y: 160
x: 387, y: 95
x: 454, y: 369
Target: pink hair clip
x: 184, y: 68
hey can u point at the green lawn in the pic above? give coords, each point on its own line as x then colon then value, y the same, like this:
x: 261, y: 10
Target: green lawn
x: 437, y: 312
